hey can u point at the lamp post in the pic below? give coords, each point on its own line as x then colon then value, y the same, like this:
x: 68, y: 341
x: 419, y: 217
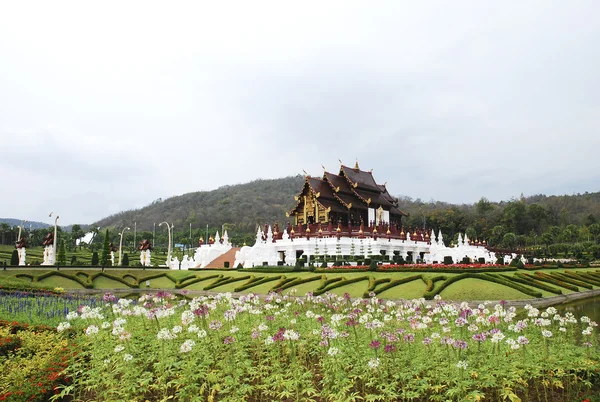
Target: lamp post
x: 169, y: 245
x: 121, y: 243
x: 54, y: 244
x: 134, y: 233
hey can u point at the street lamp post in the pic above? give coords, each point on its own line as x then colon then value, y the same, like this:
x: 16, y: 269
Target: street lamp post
x: 21, y: 228
x: 169, y: 245
x: 134, y: 234
x: 121, y: 243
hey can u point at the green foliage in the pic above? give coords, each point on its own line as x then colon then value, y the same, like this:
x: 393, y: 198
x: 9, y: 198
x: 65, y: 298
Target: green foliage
x: 95, y: 259
x: 448, y: 260
x: 106, y: 250
x: 62, y: 254
x: 14, y: 258
x: 125, y: 261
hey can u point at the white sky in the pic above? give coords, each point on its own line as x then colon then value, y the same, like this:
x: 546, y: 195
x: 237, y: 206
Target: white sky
x: 110, y: 105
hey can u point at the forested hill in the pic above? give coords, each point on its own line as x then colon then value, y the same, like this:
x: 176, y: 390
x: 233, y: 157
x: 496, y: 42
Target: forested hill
x: 241, y: 207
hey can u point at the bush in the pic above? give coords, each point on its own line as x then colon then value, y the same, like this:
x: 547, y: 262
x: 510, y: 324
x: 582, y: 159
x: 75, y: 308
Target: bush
x: 448, y: 260
x: 240, y: 266
x: 373, y: 266
x: 14, y: 258
x: 466, y: 260
x: 73, y: 260
x: 125, y: 260
x: 95, y: 259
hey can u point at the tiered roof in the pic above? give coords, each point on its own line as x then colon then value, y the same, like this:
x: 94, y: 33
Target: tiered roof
x: 352, y: 188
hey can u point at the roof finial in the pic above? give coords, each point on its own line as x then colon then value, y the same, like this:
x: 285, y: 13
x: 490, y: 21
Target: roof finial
x: 323, y: 166
x: 305, y: 174
x: 356, y: 164
x: 341, y: 163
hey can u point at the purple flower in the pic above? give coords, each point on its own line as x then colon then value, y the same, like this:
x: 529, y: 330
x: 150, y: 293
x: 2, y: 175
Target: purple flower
x: 375, y: 344
x: 270, y: 318
x: 228, y: 340
x: 410, y: 338
x: 427, y: 341
x: 201, y: 311
x: 278, y: 337
x: 479, y: 337
x: 351, y: 322
x: 458, y: 344
x: 389, y: 348
x: 109, y: 297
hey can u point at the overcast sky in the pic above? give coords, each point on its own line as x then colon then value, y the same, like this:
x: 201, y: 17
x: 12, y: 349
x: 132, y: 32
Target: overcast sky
x: 107, y: 106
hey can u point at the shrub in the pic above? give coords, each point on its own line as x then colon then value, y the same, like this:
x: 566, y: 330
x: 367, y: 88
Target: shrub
x: 240, y: 266
x: 14, y: 258
x: 373, y: 266
x: 95, y: 259
x: 448, y: 260
x: 73, y: 260
x: 125, y: 261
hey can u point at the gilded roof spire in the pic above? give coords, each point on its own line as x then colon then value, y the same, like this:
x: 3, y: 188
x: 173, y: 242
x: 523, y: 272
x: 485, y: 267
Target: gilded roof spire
x: 356, y: 164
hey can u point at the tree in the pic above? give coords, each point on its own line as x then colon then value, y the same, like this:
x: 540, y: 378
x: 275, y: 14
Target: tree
x: 595, y: 231
x: 509, y: 240
x: 14, y: 258
x: 125, y: 260
x: 106, y: 250
x: 95, y: 258
x: 547, y: 239
x: 76, y: 234
x: 62, y: 254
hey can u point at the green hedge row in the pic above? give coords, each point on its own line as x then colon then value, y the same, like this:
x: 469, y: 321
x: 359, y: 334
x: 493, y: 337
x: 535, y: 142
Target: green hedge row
x: 185, y: 284
x: 373, y: 283
x: 525, y: 280
x: 327, y: 282
x: 257, y: 281
x: 540, y: 276
x: 392, y: 284
x: 572, y: 281
x: 340, y: 283
x: 580, y: 278
x: 224, y: 281
x: 486, y: 277
x: 296, y: 282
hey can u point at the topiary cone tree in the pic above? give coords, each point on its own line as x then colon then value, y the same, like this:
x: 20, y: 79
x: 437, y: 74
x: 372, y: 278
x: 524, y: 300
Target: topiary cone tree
x: 62, y: 254
x: 105, y: 260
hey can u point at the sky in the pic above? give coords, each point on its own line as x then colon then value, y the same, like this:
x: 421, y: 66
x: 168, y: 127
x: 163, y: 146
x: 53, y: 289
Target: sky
x: 108, y: 106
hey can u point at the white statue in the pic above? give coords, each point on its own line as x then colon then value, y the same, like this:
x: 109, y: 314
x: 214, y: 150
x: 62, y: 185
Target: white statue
x: 22, y: 254
x: 112, y: 258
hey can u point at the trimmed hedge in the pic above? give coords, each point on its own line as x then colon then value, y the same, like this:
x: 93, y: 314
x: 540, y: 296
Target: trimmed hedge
x: 224, y: 281
x: 540, y: 276
x: 392, y: 284
x: 373, y: 283
x: 534, y: 283
x: 184, y: 284
x: 560, y: 276
x: 486, y: 277
x: 327, y: 282
x: 257, y: 281
x: 296, y: 281
x: 341, y: 283
x: 579, y: 277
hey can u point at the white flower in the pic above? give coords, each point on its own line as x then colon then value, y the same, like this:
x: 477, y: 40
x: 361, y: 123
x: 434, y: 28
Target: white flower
x: 177, y: 329
x: 293, y: 321
x: 234, y: 329
x: 187, y: 317
x: 262, y: 327
x: 291, y: 335
x: 127, y: 357
x: 546, y: 333
x: 91, y: 330
x: 201, y: 333
x: 587, y: 331
x: 119, y: 348
x: 269, y: 341
x: 105, y: 325
x: 63, y: 326
x: 72, y: 315
x: 462, y: 364
x: 333, y: 351
x: 187, y: 346
x: 551, y: 310
x: 497, y: 337
x: 193, y: 328
x: 585, y: 319
x: 165, y: 334
x: 373, y: 363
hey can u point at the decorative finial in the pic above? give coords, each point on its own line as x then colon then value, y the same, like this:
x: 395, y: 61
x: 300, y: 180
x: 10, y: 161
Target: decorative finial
x: 324, y: 168
x: 341, y: 163
x: 356, y: 164
x: 305, y: 174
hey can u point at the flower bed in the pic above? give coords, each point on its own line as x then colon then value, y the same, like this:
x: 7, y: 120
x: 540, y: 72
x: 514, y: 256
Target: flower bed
x: 318, y: 348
